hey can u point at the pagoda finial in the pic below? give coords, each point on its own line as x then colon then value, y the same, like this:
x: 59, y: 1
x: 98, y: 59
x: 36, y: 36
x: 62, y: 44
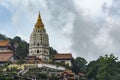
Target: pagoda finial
x: 39, y: 23
x: 39, y: 15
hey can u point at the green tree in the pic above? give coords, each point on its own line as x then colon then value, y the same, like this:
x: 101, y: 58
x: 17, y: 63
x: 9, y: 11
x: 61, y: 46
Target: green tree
x: 79, y: 65
x: 105, y: 65
x: 23, y: 46
x: 3, y: 37
x: 52, y: 53
x: 92, y: 70
x: 17, y: 39
x: 104, y: 68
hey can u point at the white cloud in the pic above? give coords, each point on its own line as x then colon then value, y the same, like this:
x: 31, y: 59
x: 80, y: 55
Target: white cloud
x: 103, y: 38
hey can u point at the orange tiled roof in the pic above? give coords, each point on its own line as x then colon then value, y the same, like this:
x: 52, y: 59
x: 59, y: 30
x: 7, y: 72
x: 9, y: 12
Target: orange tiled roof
x: 69, y: 73
x: 4, y: 43
x: 63, y: 56
x: 5, y: 56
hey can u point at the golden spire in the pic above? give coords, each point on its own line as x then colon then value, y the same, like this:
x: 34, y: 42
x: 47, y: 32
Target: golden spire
x: 39, y: 15
x: 39, y: 23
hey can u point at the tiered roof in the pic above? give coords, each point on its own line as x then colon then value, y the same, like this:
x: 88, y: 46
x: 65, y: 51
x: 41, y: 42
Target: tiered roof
x: 5, y: 56
x: 64, y: 56
x: 4, y: 43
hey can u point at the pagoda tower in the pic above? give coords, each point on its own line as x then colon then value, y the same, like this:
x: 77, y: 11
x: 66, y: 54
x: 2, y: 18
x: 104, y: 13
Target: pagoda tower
x: 39, y: 42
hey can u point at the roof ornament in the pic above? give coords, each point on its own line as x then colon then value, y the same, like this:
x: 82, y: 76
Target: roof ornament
x: 39, y: 23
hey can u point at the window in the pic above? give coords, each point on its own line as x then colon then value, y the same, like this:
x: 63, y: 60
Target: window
x: 44, y: 51
x: 45, y: 59
x: 37, y: 51
x: 38, y: 44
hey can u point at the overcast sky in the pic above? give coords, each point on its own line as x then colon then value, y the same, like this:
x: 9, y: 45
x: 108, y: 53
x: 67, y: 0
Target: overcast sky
x: 85, y: 28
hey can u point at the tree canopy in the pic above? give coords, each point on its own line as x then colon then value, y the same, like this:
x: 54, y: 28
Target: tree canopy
x: 79, y: 65
x: 3, y: 37
x: 23, y: 46
x: 104, y: 68
x: 52, y: 52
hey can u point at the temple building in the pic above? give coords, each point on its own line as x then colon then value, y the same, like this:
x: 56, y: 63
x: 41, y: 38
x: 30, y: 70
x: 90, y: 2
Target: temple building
x: 65, y: 58
x: 6, y: 52
x: 39, y: 42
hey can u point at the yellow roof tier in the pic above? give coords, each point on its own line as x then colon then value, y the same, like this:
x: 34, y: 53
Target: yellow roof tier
x: 39, y: 23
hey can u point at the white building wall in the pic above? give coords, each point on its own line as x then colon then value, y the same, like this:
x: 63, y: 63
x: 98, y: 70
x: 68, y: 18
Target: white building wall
x: 51, y: 66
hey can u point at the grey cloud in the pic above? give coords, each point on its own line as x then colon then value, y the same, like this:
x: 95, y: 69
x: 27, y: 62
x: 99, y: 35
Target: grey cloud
x: 84, y: 33
x: 113, y: 12
x: 113, y: 9
x: 85, y: 29
x: 115, y: 31
x: 59, y: 11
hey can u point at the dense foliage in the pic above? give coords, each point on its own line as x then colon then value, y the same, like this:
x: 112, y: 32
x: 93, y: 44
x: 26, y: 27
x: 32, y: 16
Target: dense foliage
x: 79, y: 65
x: 104, y: 68
x: 2, y: 37
x: 52, y: 53
x: 22, y: 49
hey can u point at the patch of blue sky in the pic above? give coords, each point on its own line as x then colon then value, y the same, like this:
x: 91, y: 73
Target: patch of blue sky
x: 5, y: 16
